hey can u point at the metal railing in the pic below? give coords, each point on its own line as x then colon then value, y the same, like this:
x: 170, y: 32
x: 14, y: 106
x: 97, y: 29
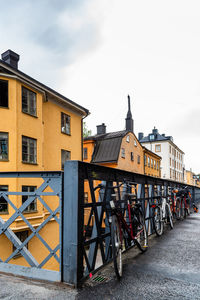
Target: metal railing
x: 67, y: 233
x: 30, y: 236
x: 87, y: 243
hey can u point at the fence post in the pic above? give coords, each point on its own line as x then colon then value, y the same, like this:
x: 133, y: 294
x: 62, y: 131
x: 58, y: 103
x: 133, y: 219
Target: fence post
x: 72, y: 221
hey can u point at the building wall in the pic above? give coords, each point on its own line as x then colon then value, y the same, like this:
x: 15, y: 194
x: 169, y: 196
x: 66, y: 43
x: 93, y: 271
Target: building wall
x: 125, y: 163
x: 55, y: 140
x: 176, y: 163
x: 46, y: 129
x: 149, y: 169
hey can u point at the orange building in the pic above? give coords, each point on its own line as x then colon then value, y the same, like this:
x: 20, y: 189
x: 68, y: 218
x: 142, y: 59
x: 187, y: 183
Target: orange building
x: 151, y: 163
x: 120, y: 149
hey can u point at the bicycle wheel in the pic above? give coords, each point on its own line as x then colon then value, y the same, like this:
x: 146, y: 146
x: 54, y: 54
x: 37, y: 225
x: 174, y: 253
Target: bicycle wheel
x: 183, y: 212
x: 141, y: 238
x: 178, y: 210
x: 116, y: 246
x: 169, y: 216
x: 157, y: 220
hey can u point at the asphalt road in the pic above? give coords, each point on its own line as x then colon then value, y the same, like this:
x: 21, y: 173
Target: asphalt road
x: 170, y: 269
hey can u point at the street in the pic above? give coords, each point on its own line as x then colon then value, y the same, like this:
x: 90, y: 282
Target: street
x: 170, y: 269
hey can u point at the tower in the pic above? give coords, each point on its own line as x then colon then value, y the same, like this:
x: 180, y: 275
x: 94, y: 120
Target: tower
x: 129, y: 119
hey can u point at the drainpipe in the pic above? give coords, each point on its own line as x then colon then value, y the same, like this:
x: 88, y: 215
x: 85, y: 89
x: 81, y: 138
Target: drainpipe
x: 87, y: 114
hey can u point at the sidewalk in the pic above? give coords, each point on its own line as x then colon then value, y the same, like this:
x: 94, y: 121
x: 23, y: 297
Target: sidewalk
x: 170, y: 269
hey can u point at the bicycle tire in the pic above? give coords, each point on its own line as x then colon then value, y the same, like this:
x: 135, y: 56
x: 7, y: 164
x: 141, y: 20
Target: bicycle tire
x: 116, y: 247
x: 169, y: 216
x: 178, y: 210
x: 183, y: 212
x: 157, y: 221
x: 142, y: 236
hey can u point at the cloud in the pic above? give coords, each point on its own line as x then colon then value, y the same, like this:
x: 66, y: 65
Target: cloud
x: 55, y: 33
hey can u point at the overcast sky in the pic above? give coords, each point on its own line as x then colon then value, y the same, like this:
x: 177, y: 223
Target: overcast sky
x: 96, y: 52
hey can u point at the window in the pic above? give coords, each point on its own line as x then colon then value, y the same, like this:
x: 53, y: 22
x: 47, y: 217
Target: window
x: 3, y: 146
x: 170, y: 149
x: 85, y: 197
x: 22, y: 236
x: 151, y: 137
x: 170, y: 161
x: 148, y: 161
x: 3, y: 93
x: 154, y: 164
x: 128, y: 138
x: 3, y: 202
x: 138, y: 159
x: 151, y: 163
x: 65, y: 123
x: 28, y: 102
x: 123, y: 153
x: 132, y: 156
x: 145, y: 160
x: 29, y: 150
x: 157, y: 148
x: 65, y: 155
x: 33, y: 205
x: 157, y: 165
x: 85, y: 153
x: 135, y: 143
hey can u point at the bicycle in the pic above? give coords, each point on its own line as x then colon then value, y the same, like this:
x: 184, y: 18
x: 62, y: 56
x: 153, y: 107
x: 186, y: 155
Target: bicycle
x: 162, y: 214
x: 126, y: 224
x: 184, y: 198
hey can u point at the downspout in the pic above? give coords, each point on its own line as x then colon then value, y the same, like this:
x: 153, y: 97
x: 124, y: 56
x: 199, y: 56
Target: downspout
x: 87, y: 114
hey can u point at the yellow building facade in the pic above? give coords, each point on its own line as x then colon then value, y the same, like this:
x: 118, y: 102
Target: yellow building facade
x: 39, y: 130
x: 151, y: 163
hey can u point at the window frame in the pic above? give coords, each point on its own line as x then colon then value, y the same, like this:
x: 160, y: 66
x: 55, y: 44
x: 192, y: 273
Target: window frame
x: 6, y: 133
x: 18, y: 234
x: 63, y: 163
x: 85, y: 153
x: 5, y: 81
x: 64, y: 129
x: 145, y: 160
x: 28, y: 210
x: 148, y: 161
x: 29, y: 139
x: 157, y: 146
x: 123, y: 155
x: 132, y: 156
x: 28, y: 104
x: 5, y: 212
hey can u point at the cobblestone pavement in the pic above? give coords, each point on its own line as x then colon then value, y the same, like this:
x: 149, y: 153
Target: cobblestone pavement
x: 170, y: 269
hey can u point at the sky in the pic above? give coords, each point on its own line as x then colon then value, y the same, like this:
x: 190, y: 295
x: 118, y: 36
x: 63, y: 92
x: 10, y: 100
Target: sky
x: 96, y: 52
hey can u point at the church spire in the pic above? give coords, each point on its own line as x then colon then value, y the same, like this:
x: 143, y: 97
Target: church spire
x: 129, y: 120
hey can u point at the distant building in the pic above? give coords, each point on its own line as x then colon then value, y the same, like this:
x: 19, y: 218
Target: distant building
x: 172, y: 164
x: 192, y: 179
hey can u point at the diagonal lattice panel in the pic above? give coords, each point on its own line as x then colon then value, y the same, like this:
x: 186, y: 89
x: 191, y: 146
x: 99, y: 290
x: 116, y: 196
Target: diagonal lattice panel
x: 55, y: 184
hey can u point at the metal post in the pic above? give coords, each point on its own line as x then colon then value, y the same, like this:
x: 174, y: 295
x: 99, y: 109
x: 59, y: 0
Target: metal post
x: 72, y: 224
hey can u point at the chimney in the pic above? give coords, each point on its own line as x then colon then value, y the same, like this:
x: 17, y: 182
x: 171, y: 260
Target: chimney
x: 129, y: 120
x: 140, y: 136
x: 10, y: 58
x: 101, y: 129
x: 155, y: 131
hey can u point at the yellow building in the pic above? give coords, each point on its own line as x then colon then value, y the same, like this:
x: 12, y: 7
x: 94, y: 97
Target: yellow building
x: 192, y: 178
x: 151, y: 163
x: 39, y: 130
